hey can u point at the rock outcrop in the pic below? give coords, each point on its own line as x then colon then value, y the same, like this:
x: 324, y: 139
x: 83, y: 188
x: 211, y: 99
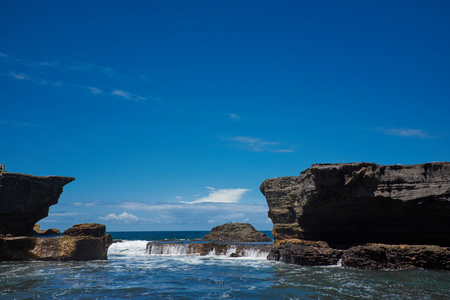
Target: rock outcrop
x: 62, y: 248
x: 381, y: 256
x: 236, y: 232
x: 25, y: 199
x: 357, y: 203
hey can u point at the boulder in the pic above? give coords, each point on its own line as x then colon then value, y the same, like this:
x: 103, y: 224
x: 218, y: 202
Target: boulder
x: 236, y: 232
x: 86, y: 229
x: 25, y: 199
x: 358, y: 203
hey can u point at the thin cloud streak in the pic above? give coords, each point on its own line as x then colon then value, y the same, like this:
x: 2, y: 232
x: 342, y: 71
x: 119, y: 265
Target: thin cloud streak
x: 257, y: 144
x: 65, y: 67
x: 405, y: 132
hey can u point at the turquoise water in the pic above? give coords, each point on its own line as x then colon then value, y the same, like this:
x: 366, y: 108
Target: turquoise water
x: 130, y: 272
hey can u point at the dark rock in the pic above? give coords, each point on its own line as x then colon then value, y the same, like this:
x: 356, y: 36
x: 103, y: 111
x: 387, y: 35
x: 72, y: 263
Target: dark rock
x: 357, y: 203
x: 62, y: 248
x: 25, y: 199
x: 380, y: 256
x: 86, y: 229
x: 304, y: 255
x: 236, y: 232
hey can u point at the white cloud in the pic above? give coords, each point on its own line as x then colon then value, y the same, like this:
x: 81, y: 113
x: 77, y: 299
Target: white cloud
x: 124, y: 217
x: 221, y: 196
x: 407, y: 132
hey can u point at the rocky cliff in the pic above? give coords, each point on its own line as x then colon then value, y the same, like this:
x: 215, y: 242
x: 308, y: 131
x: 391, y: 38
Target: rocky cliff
x: 356, y: 203
x: 25, y: 199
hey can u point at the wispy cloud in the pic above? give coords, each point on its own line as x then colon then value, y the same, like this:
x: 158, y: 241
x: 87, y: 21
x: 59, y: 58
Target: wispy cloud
x: 127, y: 95
x: 221, y: 196
x: 94, y: 90
x: 20, y: 76
x: 64, y: 214
x: 405, y: 132
x: 257, y: 144
x: 234, y: 116
x: 75, y: 75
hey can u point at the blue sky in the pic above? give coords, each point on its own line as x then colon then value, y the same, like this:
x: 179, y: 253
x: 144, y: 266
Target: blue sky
x: 170, y: 114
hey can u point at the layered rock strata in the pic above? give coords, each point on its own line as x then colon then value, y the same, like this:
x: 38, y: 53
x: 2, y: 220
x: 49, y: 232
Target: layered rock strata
x: 357, y: 203
x: 25, y: 199
x: 236, y: 232
x: 89, y: 246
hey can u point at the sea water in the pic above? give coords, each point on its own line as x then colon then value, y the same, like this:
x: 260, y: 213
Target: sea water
x: 131, y: 272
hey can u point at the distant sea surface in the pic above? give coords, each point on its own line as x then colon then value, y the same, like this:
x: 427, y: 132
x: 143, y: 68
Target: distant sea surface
x: 131, y: 272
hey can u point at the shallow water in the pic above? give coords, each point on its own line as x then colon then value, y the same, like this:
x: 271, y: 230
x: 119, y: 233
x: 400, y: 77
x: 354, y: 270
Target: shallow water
x: 130, y: 272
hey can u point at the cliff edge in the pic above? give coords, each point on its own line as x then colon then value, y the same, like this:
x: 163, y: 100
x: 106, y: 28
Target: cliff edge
x: 25, y: 199
x: 356, y: 203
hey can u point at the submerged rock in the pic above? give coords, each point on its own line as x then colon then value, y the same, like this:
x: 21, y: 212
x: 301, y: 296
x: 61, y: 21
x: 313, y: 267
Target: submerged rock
x: 357, y: 203
x: 236, y: 232
x: 25, y: 199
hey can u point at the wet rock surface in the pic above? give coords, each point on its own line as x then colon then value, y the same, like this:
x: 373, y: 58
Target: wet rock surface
x: 305, y: 255
x: 61, y: 248
x: 381, y: 256
x: 236, y: 232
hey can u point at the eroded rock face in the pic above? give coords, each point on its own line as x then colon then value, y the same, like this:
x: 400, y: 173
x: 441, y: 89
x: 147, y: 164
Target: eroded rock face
x: 305, y: 255
x: 61, y: 248
x: 86, y: 229
x: 380, y: 256
x: 25, y: 199
x: 356, y: 203
x: 236, y: 232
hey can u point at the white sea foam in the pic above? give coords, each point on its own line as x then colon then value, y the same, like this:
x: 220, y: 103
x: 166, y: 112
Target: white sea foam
x: 194, y: 250
x: 128, y: 249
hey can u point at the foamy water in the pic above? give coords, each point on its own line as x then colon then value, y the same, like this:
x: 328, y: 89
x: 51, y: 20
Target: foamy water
x: 131, y: 272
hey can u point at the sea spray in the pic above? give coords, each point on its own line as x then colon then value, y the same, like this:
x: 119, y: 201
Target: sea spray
x: 208, y: 249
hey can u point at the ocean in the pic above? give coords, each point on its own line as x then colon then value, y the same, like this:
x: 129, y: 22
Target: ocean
x: 131, y: 272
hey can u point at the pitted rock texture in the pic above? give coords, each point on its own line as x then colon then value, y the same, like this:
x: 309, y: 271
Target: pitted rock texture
x: 25, y: 199
x: 355, y: 203
x: 62, y: 248
x: 236, y: 232
x: 86, y: 229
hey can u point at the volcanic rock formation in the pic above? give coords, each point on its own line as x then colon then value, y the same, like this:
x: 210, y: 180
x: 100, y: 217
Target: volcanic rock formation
x: 355, y: 203
x: 236, y: 232
x: 25, y: 199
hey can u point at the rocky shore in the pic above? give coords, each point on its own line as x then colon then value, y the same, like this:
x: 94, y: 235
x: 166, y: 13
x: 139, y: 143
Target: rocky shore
x: 362, y: 215
x: 25, y: 199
